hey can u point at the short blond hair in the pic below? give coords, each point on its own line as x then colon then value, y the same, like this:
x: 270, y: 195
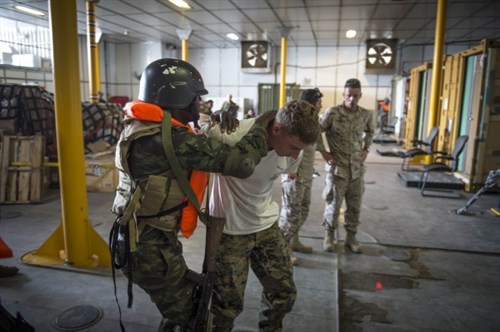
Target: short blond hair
x: 299, y: 118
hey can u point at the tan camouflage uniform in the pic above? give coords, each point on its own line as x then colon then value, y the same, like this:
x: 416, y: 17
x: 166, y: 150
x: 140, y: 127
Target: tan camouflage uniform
x: 347, y: 135
x: 296, y: 195
x: 266, y: 252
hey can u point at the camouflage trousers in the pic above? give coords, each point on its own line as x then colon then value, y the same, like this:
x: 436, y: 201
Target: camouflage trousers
x: 266, y: 252
x: 159, y: 268
x: 336, y: 189
x: 295, y: 202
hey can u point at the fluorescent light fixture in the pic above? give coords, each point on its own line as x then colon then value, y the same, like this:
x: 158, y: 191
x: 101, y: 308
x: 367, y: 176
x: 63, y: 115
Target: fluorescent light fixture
x: 29, y: 11
x: 350, y: 34
x: 180, y: 3
x: 232, y: 36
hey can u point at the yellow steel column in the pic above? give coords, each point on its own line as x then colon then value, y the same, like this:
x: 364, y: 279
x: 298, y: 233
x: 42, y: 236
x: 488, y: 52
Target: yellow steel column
x: 93, y: 53
x: 74, y: 243
x: 283, y: 72
x: 185, y: 50
x: 285, y: 32
x: 184, y: 35
x: 437, y: 63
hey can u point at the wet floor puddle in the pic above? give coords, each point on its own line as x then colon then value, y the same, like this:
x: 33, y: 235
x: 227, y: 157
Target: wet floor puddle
x: 376, y: 282
x: 352, y: 311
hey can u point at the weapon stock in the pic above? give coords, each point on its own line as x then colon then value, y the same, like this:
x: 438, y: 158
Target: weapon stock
x: 206, y: 280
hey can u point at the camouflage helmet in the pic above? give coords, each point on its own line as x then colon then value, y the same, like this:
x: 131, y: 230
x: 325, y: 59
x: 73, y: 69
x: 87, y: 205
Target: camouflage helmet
x: 171, y: 84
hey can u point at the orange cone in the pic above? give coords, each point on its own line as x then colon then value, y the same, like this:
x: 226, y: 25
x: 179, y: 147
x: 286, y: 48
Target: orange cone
x: 5, y: 251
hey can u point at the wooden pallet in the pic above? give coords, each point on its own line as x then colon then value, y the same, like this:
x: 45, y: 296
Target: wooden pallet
x: 22, y: 182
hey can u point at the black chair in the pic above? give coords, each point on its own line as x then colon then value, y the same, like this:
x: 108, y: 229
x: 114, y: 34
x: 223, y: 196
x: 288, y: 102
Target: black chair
x: 442, y: 167
x: 425, y: 149
x: 390, y: 127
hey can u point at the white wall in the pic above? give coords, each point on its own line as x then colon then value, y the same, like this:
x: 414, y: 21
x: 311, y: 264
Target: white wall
x: 326, y: 68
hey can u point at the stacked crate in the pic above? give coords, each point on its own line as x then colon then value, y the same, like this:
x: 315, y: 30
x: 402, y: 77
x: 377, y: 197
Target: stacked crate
x: 22, y: 171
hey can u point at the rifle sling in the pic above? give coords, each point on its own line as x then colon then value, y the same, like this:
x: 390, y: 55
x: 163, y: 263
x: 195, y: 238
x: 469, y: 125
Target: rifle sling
x: 131, y: 207
x: 166, y: 134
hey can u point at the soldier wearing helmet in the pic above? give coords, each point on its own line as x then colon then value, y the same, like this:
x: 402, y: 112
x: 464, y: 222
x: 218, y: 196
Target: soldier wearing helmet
x: 149, y: 195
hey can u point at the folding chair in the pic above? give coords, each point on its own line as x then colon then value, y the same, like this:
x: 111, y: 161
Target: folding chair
x: 425, y: 150
x: 443, y: 168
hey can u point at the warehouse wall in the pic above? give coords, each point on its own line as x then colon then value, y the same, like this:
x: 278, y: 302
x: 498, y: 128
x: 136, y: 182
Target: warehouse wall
x: 326, y: 68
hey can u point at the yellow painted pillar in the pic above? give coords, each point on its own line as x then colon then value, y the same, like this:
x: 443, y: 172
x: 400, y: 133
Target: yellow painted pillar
x: 74, y: 243
x: 184, y: 35
x: 437, y: 65
x: 185, y: 50
x: 93, y: 53
x: 437, y: 69
x: 283, y: 72
x: 285, y: 32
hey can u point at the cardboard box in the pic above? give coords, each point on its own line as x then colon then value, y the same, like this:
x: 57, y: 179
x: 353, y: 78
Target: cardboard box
x: 100, y: 172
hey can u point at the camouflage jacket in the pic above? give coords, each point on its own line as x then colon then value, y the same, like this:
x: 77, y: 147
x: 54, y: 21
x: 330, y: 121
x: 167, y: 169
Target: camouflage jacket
x: 144, y: 153
x: 347, y: 134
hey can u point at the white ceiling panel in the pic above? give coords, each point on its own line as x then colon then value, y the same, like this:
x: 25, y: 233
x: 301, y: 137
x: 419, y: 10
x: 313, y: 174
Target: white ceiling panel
x: 391, y: 11
x: 150, y: 20
x: 132, y: 6
x: 261, y: 15
x: 358, y: 12
x: 254, y: 4
x: 213, y: 5
x: 201, y: 17
x: 324, y: 13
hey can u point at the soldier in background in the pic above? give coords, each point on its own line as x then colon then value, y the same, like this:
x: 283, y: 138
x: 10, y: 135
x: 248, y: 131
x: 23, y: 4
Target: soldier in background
x: 349, y: 133
x: 205, y: 115
x: 148, y: 184
x: 383, y: 115
x: 249, y: 114
x: 230, y: 106
x: 296, y: 194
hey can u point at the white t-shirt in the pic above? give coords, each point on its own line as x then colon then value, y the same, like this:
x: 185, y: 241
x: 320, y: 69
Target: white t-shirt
x: 247, y: 203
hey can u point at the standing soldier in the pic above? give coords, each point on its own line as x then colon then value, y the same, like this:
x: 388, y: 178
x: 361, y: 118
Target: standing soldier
x: 349, y: 133
x: 150, y: 195
x: 230, y: 106
x: 296, y: 194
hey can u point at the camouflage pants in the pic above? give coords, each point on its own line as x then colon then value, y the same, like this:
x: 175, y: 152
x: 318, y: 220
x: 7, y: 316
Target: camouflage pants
x: 267, y: 254
x: 159, y: 268
x: 336, y: 189
x: 295, y: 202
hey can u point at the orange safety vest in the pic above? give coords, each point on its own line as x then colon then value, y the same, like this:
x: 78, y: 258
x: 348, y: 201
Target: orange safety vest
x: 198, y: 180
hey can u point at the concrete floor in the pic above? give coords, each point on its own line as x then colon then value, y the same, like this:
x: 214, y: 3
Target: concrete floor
x: 423, y: 268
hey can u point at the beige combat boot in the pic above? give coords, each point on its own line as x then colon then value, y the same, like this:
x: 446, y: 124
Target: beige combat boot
x: 352, y: 243
x: 329, y: 241
x: 298, y: 246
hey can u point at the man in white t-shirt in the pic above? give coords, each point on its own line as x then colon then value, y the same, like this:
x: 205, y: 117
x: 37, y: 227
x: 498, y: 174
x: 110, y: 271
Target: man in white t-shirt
x: 251, y: 233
